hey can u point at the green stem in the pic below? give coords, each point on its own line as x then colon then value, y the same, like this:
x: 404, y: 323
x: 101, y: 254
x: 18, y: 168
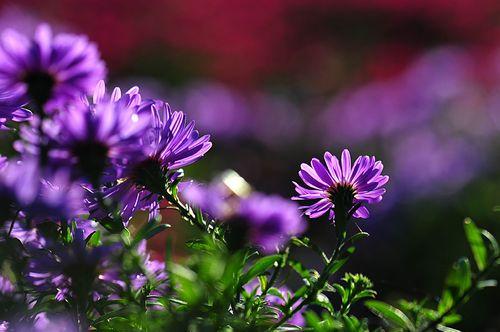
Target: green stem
x: 318, y: 286
x: 462, y: 299
x: 187, y: 213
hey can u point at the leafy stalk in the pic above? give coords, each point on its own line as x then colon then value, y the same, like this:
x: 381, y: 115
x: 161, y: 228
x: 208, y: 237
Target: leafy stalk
x: 429, y: 326
x: 194, y: 218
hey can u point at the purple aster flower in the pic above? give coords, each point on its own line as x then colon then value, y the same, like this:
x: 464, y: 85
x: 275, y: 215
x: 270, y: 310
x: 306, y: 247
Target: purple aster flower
x: 170, y: 144
x: 99, y: 134
x: 267, y: 222
x: 340, y: 186
x: 39, y: 193
x: 253, y: 289
x: 49, y: 70
x: 12, y: 108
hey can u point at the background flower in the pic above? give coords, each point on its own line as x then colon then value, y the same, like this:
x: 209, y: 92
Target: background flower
x: 46, y: 69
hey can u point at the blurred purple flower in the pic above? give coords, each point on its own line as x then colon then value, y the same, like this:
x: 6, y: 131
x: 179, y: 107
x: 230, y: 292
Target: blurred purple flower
x: 435, y: 164
x: 341, y: 185
x: 267, y: 222
x: 49, y: 70
x: 384, y: 108
x: 170, y: 144
x: 100, y: 135
x: 47, y: 322
x: 276, y: 121
x: 217, y: 109
x: 39, y: 193
x: 210, y: 198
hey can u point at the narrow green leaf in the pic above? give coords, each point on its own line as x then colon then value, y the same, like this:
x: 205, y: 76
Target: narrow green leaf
x: 492, y: 241
x: 443, y: 328
x: 260, y: 266
x: 323, y: 301
x: 476, y: 243
x: 358, y: 236
x: 452, y: 319
x: 364, y: 294
x: 93, y: 239
x: 457, y: 283
x: 390, y: 314
x: 487, y: 283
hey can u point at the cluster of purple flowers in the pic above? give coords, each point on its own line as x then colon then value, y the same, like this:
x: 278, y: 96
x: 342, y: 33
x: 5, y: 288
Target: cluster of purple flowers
x: 81, y: 160
x: 85, y: 162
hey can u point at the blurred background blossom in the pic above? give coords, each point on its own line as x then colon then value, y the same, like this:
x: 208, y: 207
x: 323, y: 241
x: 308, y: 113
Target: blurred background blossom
x: 275, y: 82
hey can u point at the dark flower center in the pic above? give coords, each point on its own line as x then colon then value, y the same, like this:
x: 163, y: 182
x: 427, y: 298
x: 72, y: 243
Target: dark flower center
x: 342, y: 195
x: 272, y: 226
x: 91, y: 158
x: 150, y: 175
x: 40, y: 86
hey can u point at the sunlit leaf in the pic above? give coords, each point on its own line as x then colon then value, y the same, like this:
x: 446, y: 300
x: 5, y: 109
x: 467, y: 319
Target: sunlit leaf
x: 476, y: 243
x: 390, y: 314
x: 261, y: 265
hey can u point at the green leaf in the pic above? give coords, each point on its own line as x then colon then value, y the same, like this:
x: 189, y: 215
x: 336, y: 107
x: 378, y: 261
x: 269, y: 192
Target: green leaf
x: 487, y: 283
x: 94, y: 239
x: 337, y: 265
x: 443, y: 328
x: 260, y: 266
x: 111, y: 225
x: 452, y: 319
x: 149, y: 230
x: 306, y: 242
x: 364, y: 294
x: 323, y: 301
x: 358, y: 236
x: 457, y: 283
x: 476, y: 243
x: 299, y: 268
x: 492, y: 241
x: 390, y: 314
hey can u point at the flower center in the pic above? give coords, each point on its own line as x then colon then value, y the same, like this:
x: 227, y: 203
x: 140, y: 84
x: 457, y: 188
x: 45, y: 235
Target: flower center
x: 91, y: 158
x: 150, y: 175
x: 342, y: 195
x: 40, y: 86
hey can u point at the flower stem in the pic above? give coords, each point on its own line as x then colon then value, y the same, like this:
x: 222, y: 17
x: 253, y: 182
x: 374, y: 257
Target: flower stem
x: 319, y: 284
x: 188, y: 214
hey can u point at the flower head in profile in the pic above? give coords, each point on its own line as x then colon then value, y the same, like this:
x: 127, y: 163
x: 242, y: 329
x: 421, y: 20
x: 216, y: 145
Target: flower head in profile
x: 267, y: 222
x: 341, y: 186
x: 170, y: 144
x: 99, y: 136
x: 49, y: 70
